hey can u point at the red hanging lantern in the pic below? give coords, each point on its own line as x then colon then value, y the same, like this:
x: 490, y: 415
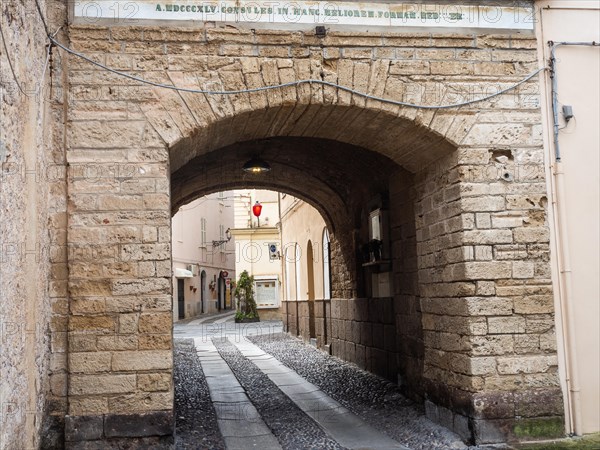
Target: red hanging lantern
x: 257, y: 209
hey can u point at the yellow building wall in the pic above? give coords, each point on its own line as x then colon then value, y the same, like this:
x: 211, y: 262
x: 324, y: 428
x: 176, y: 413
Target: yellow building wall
x: 301, y: 223
x: 252, y: 255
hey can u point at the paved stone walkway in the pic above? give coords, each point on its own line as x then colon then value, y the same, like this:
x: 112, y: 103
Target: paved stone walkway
x: 239, y: 422
x: 345, y: 427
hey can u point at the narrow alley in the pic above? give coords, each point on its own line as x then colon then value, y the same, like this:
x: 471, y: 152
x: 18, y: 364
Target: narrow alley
x: 244, y: 386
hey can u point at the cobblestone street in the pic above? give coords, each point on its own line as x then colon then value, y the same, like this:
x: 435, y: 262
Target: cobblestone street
x: 252, y: 386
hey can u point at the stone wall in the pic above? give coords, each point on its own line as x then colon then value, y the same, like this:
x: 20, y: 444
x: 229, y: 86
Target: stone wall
x: 472, y: 300
x: 32, y: 232
x: 297, y: 316
x: 407, y: 300
x: 363, y: 332
x: 486, y: 294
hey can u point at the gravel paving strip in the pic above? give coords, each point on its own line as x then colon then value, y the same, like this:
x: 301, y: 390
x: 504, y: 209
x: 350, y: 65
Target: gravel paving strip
x: 294, y: 429
x: 196, y: 421
x: 374, y: 399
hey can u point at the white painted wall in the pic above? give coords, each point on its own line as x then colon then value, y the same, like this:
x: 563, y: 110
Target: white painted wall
x: 245, y: 199
x: 575, y: 206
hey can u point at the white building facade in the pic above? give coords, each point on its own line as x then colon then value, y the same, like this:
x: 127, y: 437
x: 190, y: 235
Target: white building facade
x: 203, y: 257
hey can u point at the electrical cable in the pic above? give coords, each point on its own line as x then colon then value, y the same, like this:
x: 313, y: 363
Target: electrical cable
x: 554, y: 46
x: 48, y: 54
x: 290, y: 84
x: 43, y: 19
x: 277, y: 86
x: 49, y: 50
x: 10, y: 64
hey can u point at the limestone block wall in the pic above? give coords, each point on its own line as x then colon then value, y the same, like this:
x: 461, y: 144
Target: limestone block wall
x: 486, y: 294
x: 296, y: 319
x: 120, y: 382
x: 120, y: 324
x: 363, y: 332
x: 471, y: 263
x: 407, y: 300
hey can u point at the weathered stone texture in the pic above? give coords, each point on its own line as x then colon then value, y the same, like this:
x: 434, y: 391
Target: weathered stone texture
x: 33, y: 273
x: 471, y: 309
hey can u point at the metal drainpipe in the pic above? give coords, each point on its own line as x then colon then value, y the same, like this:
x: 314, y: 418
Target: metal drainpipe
x: 282, y: 263
x: 564, y: 258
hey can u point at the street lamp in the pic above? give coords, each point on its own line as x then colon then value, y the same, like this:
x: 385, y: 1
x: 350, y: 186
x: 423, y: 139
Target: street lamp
x: 256, y: 165
x: 256, y: 210
x: 223, y: 241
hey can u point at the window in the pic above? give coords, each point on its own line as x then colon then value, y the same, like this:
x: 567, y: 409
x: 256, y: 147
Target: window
x: 222, y: 238
x: 298, y: 262
x: 288, y: 273
x: 203, y: 231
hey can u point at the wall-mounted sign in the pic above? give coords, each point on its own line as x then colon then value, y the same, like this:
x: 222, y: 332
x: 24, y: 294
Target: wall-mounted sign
x: 416, y: 15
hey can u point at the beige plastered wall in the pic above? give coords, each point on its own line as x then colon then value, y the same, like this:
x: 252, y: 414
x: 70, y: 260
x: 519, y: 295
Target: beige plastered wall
x: 252, y: 241
x: 574, y: 184
x: 301, y: 223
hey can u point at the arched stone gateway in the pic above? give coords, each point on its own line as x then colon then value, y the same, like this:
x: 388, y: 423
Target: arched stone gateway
x: 468, y: 324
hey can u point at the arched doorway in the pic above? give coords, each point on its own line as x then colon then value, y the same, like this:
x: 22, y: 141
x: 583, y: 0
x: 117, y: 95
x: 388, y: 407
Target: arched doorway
x: 221, y: 286
x: 380, y: 158
x: 298, y: 271
x: 202, y: 291
x: 180, y: 298
x: 298, y: 284
x: 310, y: 292
x: 310, y: 271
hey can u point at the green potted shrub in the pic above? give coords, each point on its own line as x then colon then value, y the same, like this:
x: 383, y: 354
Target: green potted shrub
x: 246, y: 305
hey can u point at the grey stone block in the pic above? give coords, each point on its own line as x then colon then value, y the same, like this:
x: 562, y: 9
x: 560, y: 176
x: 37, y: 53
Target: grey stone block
x: 461, y: 427
x: 154, y: 443
x: 431, y: 411
x: 159, y: 423
x: 446, y: 417
x: 83, y: 428
x: 488, y: 432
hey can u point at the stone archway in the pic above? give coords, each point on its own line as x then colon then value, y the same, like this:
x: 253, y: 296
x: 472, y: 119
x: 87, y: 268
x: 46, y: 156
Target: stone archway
x: 469, y: 325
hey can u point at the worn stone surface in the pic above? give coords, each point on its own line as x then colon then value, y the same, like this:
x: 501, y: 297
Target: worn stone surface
x: 33, y: 271
x: 139, y: 425
x: 471, y: 306
x: 86, y: 428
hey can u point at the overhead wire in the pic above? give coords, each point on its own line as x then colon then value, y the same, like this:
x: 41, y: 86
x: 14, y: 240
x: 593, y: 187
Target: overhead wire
x: 10, y: 65
x: 54, y: 41
x: 48, y: 53
x: 292, y: 84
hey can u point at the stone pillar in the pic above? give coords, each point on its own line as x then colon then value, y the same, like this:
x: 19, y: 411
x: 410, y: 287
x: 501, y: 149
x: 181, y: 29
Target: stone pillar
x: 407, y: 307
x: 120, y: 380
x: 490, y: 363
